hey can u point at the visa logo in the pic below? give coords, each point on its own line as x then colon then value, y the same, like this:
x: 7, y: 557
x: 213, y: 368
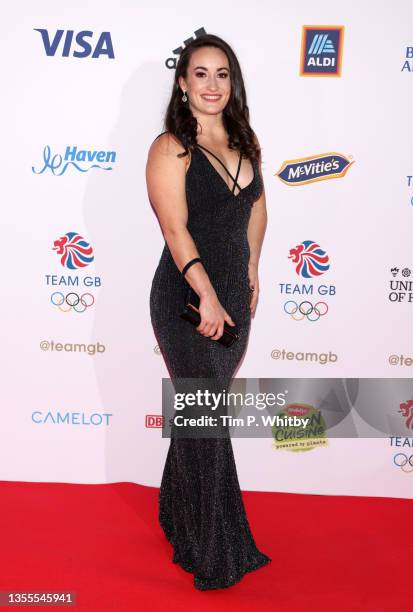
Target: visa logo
x: 76, y: 45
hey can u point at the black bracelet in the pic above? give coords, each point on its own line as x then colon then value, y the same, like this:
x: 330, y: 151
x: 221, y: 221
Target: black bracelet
x: 189, y: 264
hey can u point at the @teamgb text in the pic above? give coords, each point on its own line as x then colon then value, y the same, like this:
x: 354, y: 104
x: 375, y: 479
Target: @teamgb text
x: 70, y: 347
x: 305, y: 309
x: 404, y: 462
x: 72, y: 301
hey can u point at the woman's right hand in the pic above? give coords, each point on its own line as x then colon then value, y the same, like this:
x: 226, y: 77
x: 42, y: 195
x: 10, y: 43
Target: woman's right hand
x: 213, y: 316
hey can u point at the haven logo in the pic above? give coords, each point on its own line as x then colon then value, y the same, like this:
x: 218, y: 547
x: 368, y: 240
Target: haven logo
x: 171, y: 62
x: 304, y: 301
x: 73, y: 292
x: 82, y: 44
x: 321, y: 50
x: 320, y: 167
x: 79, y: 159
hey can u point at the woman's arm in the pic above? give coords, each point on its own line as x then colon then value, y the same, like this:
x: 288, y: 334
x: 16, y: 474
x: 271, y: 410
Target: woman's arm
x: 165, y: 178
x: 256, y: 231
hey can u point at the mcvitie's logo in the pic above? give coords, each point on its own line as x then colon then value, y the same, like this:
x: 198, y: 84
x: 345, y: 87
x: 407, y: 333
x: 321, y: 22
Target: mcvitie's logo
x: 320, y: 167
x: 82, y: 44
x: 321, y: 50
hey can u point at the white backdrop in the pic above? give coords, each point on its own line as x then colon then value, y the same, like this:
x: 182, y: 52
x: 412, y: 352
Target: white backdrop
x: 72, y: 414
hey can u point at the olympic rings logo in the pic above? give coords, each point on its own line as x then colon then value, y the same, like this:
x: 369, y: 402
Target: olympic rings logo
x: 404, y: 462
x: 305, y: 309
x: 72, y: 301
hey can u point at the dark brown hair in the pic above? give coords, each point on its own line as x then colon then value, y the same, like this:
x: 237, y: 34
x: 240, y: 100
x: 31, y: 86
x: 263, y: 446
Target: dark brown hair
x: 179, y: 119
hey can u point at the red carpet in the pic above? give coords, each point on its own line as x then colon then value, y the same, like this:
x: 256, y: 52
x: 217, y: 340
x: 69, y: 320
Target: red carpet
x: 104, y: 543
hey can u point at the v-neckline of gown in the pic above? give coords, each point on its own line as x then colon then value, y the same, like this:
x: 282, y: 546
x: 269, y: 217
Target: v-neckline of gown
x: 241, y: 189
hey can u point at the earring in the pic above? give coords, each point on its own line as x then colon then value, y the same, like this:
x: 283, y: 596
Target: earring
x: 184, y: 97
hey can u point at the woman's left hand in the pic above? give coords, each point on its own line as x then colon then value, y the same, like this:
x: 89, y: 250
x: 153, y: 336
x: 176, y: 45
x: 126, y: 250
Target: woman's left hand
x: 254, y: 286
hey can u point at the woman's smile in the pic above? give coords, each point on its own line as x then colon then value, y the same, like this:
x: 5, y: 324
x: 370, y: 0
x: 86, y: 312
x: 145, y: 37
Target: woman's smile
x: 211, y: 97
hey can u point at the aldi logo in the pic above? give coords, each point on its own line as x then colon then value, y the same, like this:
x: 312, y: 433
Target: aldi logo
x: 321, y: 50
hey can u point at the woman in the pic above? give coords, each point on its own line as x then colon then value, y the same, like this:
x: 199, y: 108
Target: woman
x: 213, y: 225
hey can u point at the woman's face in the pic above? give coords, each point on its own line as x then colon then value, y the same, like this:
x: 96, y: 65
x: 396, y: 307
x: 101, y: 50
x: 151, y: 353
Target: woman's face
x: 207, y: 83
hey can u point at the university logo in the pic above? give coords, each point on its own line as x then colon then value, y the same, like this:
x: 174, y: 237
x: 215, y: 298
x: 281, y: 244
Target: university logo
x: 80, y: 160
x: 171, y: 62
x: 68, y: 43
x: 321, y: 50
x: 320, y: 167
x: 401, y: 285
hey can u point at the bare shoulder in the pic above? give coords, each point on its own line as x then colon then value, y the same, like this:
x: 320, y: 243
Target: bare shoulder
x: 166, y: 144
x: 165, y: 179
x: 165, y: 173
x: 164, y: 151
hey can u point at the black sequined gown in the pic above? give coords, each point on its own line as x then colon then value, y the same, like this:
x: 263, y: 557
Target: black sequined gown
x: 200, y: 505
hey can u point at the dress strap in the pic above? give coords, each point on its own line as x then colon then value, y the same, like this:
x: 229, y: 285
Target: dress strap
x: 224, y: 166
x: 161, y: 134
x: 237, y: 174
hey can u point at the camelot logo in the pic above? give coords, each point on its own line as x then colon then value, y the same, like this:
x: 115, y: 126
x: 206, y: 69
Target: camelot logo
x: 73, y: 158
x: 321, y: 50
x: 314, y: 168
x: 77, y: 45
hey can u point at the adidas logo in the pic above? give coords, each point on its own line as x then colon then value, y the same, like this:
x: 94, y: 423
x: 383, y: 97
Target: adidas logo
x: 170, y: 62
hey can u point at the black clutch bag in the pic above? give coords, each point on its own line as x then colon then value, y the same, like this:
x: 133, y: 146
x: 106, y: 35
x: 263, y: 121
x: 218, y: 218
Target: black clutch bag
x: 191, y: 313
